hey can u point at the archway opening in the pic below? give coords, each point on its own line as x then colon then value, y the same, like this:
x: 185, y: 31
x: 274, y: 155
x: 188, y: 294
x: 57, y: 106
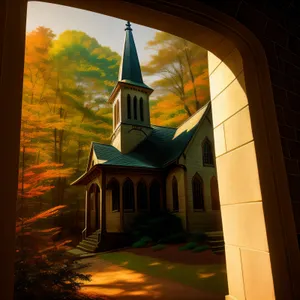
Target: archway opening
x: 235, y: 152
x: 93, y: 211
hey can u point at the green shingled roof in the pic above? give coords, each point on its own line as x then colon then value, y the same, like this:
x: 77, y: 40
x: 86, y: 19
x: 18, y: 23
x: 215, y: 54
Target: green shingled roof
x: 162, y: 147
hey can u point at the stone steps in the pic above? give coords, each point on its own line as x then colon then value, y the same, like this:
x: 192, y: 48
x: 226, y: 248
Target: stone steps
x: 216, y: 241
x: 90, y: 244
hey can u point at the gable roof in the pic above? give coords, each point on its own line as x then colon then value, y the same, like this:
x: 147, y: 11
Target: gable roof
x: 162, y: 147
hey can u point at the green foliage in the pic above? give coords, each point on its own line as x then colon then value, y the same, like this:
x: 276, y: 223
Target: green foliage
x: 43, y: 270
x: 201, y: 248
x: 158, y: 247
x: 157, y: 226
x: 139, y: 244
x: 188, y: 246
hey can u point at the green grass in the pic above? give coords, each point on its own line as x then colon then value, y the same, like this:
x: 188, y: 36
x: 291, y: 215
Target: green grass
x: 211, y: 278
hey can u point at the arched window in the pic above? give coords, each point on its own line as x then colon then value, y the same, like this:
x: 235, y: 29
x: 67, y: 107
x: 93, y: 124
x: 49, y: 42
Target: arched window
x: 214, y: 193
x: 128, y: 106
x: 114, y: 186
x: 142, y: 109
x: 128, y: 195
x: 135, y: 107
x: 175, y: 194
x: 117, y: 113
x: 155, y: 196
x: 198, y: 199
x: 142, y: 196
x: 207, y: 153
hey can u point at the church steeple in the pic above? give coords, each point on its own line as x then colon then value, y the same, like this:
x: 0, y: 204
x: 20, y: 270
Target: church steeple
x: 130, y: 66
x: 130, y: 99
x: 130, y: 69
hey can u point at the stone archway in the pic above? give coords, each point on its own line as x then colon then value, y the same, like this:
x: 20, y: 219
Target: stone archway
x: 259, y: 254
x: 93, y: 209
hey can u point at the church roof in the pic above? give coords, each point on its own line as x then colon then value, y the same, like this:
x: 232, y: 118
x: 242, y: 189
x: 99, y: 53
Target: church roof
x: 130, y: 70
x: 162, y: 147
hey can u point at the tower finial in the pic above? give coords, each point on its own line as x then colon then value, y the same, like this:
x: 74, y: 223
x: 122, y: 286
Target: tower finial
x: 128, y: 26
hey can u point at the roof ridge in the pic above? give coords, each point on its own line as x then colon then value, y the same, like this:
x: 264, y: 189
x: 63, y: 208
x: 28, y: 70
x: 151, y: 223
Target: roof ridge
x: 164, y: 126
x: 200, y: 109
x: 102, y: 144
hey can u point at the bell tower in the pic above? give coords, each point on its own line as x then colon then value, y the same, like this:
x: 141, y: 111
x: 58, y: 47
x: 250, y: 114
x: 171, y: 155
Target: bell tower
x: 130, y: 100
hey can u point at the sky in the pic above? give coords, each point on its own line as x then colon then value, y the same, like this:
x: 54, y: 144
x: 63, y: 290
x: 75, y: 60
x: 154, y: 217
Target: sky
x: 106, y: 30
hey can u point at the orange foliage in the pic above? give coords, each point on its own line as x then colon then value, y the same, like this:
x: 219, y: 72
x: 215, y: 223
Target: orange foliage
x: 43, y: 215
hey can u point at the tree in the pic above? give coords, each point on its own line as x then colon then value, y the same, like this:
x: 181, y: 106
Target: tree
x: 182, y: 67
x: 42, y: 268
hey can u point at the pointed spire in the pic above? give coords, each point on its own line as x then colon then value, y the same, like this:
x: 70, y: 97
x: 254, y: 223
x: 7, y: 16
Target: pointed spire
x: 128, y: 26
x: 130, y: 66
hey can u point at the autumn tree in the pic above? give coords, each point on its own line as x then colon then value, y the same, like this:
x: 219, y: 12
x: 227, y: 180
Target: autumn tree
x: 182, y: 68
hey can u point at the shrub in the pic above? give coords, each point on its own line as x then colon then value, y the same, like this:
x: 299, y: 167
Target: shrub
x: 158, y: 247
x: 157, y: 226
x: 139, y: 244
x: 188, y: 246
x: 42, y: 268
x: 201, y: 248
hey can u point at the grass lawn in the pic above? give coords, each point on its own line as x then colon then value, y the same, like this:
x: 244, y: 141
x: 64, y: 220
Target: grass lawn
x: 211, y: 278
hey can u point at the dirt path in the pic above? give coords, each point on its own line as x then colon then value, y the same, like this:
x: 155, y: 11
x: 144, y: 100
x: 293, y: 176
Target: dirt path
x: 122, y: 284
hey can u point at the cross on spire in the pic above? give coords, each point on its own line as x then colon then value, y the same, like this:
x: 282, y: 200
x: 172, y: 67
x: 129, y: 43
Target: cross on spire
x: 128, y: 26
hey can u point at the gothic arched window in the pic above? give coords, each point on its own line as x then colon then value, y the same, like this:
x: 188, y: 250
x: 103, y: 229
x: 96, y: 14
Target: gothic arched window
x: 198, y: 198
x: 135, y: 107
x: 128, y: 195
x: 175, y: 194
x: 142, y: 109
x: 114, y: 186
x: 142, y: 196
x: 155, y: 196
x: 128, y: 106
x: 207, y: 153
x: 117, y: 113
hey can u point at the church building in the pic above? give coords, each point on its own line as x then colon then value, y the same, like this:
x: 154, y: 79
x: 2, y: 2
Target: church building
x: 148, y: 168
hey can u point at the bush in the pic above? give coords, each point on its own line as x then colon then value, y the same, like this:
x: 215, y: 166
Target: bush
x: 188, y: 246
x: 139, y: 244
x: 201, y: 248
x: 158, y: 247
x: 43, y: 270
x: 157, y: 227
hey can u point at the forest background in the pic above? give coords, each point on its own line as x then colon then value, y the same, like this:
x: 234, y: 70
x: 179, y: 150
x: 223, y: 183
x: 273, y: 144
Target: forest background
x: 67, y: 81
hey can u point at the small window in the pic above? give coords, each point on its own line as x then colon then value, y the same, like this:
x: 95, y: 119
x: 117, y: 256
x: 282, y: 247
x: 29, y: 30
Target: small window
x: 198, y: 199
x: 128, y: 195
x: 135, y: 108
x: 142, y: 109
x: 208, y: 159
x: 128, y: 106
x: 175, y: 194
x: 142, y: 196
